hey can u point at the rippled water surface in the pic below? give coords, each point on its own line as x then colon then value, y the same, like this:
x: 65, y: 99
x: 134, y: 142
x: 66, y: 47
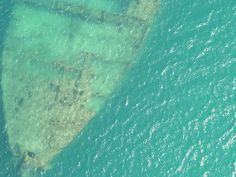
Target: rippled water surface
x: 175, y: 114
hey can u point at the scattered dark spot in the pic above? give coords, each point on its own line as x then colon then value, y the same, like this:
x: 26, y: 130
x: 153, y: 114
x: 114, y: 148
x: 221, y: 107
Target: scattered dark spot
x: 31, y: 154
x: 17, y: 149
x: 119, y: 27
x: 52, y: 122
x: 77, y: 80
x: 49, y: 107
x: 56, y: 97
x: 75, y: 92
x: 20, y: 101
x: 77, y: 83
x: 82, y: 106
x: 40, y: 170
x: 81, y: 92
x: 97, y: 93
x: 54, y: 88
x: 136, y: 45
x: 63, y: 100
x: 16, y: 109
x: 30, y: 94
x: 102, y: 16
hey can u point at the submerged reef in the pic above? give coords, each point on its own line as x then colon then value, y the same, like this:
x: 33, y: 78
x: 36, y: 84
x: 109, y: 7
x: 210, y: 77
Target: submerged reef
x: 61, y: 61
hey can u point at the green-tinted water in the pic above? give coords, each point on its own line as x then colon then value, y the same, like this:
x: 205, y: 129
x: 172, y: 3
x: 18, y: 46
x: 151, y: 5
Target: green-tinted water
x: 175, y: 114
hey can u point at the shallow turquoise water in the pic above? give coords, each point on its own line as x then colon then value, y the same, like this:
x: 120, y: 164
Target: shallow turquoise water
x: 175, y: 114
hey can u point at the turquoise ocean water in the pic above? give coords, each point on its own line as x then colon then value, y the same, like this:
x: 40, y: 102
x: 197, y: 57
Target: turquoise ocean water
x: 8, y: 166
x: 175, y: 114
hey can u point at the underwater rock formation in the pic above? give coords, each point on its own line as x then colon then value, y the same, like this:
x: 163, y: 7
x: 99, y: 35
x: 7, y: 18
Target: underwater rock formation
x: 61, y: 61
